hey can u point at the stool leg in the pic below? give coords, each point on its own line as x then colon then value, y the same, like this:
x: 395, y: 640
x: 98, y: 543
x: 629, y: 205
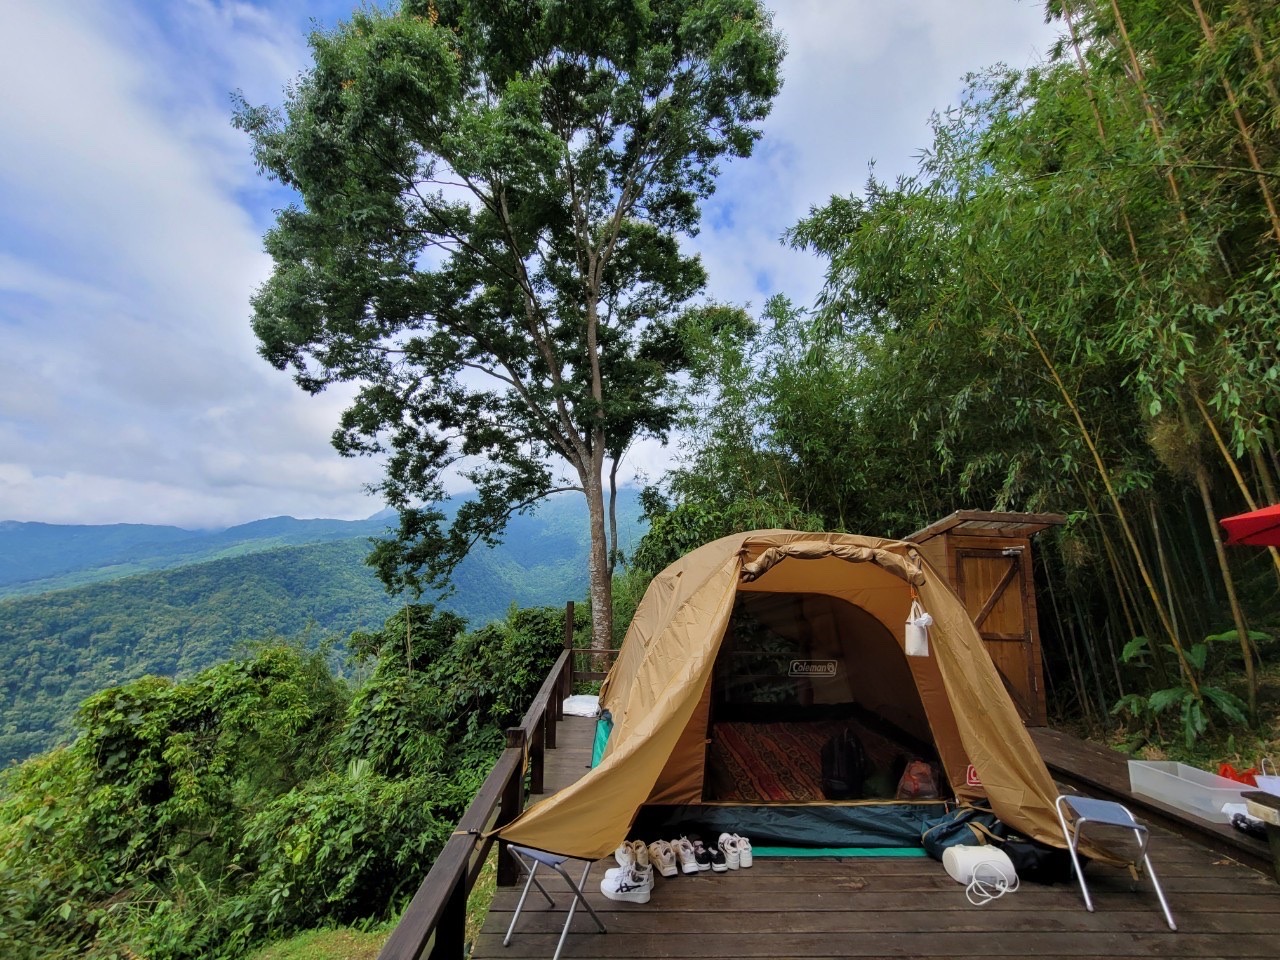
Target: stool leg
x: 1164, y: 904
x: 578, y: 896
x: 530, y: 881
x: 1072, y: 836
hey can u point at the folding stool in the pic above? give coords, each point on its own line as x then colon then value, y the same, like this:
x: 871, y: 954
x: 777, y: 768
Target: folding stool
x: 1111, y: 814
x: 529, y: 860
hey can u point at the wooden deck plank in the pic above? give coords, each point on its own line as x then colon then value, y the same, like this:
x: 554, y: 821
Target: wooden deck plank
x: 816, y: 908
x: 1102, y: 772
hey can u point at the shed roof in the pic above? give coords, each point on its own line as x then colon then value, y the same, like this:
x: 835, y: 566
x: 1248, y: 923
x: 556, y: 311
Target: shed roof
x: 988, y: 523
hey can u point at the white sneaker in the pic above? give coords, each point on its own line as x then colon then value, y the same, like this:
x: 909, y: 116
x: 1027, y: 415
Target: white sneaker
x: 684, y: 853
x: 728, y: 845
x: 663, y: 858
x: 744, y: 850
x: 625, y: 854
x: 631, y: 886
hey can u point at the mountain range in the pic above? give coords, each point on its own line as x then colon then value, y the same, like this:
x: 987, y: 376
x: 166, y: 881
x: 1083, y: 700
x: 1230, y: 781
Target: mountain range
x: 86, y: 607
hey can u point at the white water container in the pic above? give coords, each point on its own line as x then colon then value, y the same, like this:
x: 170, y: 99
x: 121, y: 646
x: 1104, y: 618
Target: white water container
x: 964, y: 864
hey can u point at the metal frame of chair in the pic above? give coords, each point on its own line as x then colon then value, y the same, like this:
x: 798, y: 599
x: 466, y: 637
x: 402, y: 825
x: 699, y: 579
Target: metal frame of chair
x: 1111, y: 814
x: 536, y: 858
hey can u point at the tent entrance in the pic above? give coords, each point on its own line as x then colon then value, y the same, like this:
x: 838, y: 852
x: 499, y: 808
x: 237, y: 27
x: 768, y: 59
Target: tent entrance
x: 793, y: 670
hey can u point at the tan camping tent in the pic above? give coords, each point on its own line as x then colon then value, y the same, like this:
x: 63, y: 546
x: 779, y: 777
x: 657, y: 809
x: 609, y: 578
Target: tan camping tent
x: 659, y: 690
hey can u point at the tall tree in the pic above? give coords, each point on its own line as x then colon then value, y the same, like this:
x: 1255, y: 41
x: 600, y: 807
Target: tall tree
x: 492, y: 194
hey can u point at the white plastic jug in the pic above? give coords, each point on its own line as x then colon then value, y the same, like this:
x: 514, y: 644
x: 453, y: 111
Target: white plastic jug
x: 964, y: 864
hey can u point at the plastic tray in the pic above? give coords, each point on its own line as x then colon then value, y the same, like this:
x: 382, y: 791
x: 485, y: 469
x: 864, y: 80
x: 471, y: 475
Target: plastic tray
x: 1185, y: 787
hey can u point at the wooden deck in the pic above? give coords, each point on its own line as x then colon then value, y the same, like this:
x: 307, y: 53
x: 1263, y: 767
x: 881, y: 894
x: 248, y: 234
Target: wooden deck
x: 878, y: 907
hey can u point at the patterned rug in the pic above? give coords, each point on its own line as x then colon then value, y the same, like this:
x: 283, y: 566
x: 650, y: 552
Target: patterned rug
x: 782, y: 762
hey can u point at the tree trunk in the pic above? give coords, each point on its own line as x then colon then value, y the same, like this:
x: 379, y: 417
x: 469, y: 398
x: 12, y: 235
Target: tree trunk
x: 601, y: 584
x: 613, y: 515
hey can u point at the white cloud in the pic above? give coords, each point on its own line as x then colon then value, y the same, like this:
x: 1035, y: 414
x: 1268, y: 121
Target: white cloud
x: 130, y: 389
x: 861, y: 78
x: 130, y: 385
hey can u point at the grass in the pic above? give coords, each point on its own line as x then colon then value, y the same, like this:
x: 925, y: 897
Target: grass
x: 348, y: 943
x: 342, y: 943
x: 481, y: 896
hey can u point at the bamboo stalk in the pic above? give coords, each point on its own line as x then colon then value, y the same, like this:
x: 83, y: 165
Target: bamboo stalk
x: 1264, y: 68
x: 1114, y: 497
x: 1264, y: 475
x: 1245, y: 137
x: 1242, y: 630
x: 1140, y: 81
x: 1235, y: 469
x: 1162, y: 559
x: 1128, y: 594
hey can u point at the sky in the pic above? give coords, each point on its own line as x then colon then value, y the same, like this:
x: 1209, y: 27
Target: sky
x: 131, y: 223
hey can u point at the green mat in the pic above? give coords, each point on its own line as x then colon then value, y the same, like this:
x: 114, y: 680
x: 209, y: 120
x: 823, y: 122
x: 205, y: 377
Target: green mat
x: 838, y: 852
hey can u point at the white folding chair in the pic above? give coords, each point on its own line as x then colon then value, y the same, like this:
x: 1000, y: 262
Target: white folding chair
x: 1110, y: 814
x: 529, y: 860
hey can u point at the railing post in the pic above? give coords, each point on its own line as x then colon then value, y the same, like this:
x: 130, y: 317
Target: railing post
x: 568, y: 644
x: 553, y: 713
x: 512, y: 805
x: 451, y: 931
x: 537, y: 755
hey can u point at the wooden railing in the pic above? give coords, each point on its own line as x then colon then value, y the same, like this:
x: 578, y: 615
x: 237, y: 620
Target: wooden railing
x: 435, y: 919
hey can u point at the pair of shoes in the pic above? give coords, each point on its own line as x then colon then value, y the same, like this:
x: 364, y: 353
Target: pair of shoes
x: 685, y: 853
x: 629, y: 884
x: 736, y: 849
x: 632, y: 853
x: 662, y: 856
x: 708, y: 858
x: 719, y: 862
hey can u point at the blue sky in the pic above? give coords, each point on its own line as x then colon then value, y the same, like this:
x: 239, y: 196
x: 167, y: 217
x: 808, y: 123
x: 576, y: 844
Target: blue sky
x: 130, y: 240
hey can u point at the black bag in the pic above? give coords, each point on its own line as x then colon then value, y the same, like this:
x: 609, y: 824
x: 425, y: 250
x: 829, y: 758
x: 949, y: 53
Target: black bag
x: 960, y: 826
x: 1034, y: 861
x: 844, y: 767
x: 1037, y: 862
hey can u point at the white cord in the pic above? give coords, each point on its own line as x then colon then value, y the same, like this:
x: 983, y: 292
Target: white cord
x: 982, y: 890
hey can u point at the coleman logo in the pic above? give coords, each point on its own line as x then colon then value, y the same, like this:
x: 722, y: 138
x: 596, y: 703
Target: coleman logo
x: 812, y: 668
x: 971, y: 778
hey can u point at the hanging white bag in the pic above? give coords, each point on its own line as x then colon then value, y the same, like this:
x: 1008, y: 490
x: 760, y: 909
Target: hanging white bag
x: 917, y: 631
x: 1268, y: 781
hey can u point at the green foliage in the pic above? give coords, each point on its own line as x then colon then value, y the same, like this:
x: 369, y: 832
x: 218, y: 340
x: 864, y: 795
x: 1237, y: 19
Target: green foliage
x: 1069, y: 307
x: 487, y: 242
x: 1195, y: 707
x: 195, y: 818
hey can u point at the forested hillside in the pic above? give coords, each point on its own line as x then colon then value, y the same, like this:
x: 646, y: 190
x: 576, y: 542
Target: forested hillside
x: 38, y: 557
x: 61, y: 646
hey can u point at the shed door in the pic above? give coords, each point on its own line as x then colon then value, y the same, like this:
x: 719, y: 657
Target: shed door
x: 992, y: 585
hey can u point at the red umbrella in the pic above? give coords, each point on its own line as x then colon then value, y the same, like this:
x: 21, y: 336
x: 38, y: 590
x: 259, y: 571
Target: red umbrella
x: 1258, y: 527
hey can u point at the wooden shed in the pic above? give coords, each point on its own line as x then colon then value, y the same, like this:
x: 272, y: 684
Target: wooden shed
x: 986, y: 557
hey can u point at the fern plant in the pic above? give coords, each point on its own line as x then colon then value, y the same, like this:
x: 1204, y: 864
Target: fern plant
x: 1195, y: 711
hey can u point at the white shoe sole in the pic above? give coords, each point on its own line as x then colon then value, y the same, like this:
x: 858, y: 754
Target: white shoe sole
x: 631, y: 896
